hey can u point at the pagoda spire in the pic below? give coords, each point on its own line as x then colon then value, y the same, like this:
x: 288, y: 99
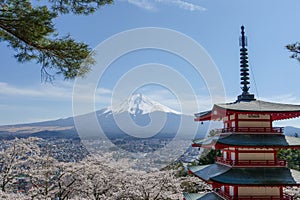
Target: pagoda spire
x: 245, y: 79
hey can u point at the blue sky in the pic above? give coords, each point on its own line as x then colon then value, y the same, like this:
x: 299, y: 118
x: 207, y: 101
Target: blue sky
x: 215, y: 25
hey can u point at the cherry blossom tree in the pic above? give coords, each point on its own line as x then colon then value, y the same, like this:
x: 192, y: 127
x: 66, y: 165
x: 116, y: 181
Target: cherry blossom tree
x: 117, y: 179
x: 44, y: 172
x: 18, y: 196
x: 100, y: 179
x: 15, y: 160
x: 96, y: 177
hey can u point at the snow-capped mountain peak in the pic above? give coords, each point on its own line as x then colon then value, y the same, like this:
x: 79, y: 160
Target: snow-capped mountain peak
x: 140, y: 104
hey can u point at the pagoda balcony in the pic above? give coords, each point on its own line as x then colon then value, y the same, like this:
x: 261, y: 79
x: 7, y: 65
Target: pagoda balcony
x: 285, y: 197
x: 252, y: 129
x: 251, y: 163
x: 224, y: 195
x: 227, y: 196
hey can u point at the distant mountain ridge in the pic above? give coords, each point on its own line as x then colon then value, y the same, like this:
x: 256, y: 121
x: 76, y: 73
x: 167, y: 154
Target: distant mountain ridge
x: 139, y: 109
x: 292, y: 131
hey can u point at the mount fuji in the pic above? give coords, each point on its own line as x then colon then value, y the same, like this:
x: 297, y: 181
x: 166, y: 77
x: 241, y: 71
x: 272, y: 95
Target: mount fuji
x: 138, y: 104
x: 141, y: 117
x: 138, y: 116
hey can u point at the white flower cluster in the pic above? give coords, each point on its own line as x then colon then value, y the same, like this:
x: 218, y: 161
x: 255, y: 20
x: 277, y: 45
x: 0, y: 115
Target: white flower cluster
x: 27, y: 174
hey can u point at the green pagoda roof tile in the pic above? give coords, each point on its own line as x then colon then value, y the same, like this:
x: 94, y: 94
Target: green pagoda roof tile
x: 205, y: 172
x: 251, y: 140
x: 204, y: 196
x: 259, y: 176
x: 247, y: 176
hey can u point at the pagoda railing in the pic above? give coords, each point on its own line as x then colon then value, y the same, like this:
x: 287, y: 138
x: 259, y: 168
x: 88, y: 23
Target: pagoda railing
x: 285, y: 197
x: 244, y: 163
x: 252, y: 129
x: 224, y: 194
x: 227, y: 196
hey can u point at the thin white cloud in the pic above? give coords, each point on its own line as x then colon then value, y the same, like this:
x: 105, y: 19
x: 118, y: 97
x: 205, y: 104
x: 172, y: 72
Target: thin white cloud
x: 44, y: 101
x: 284, y: 98
x: 60, y: 91
x: 103, y: 91
x: 184, y: 5
x: 145, y: 4
x: 6, y: 89
x: 151, y: 5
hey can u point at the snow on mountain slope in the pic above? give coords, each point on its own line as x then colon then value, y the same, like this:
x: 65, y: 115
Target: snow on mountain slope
x: 141, y: 116
x: 139, y: 104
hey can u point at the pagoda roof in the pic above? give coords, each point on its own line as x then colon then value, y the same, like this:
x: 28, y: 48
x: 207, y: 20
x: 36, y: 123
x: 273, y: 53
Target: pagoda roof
x: 205, y: 172
x: 203, y: 196
x: 259, y: 176
x: 259, y: 140
x: 278, y: 111
x: 270, y: 176
x: 260, y: 106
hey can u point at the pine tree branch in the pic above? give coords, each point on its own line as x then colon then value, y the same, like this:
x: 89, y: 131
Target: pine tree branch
x: 30, y: 32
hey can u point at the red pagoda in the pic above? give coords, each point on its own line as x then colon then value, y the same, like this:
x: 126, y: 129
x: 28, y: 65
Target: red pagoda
x: 248, y: 168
